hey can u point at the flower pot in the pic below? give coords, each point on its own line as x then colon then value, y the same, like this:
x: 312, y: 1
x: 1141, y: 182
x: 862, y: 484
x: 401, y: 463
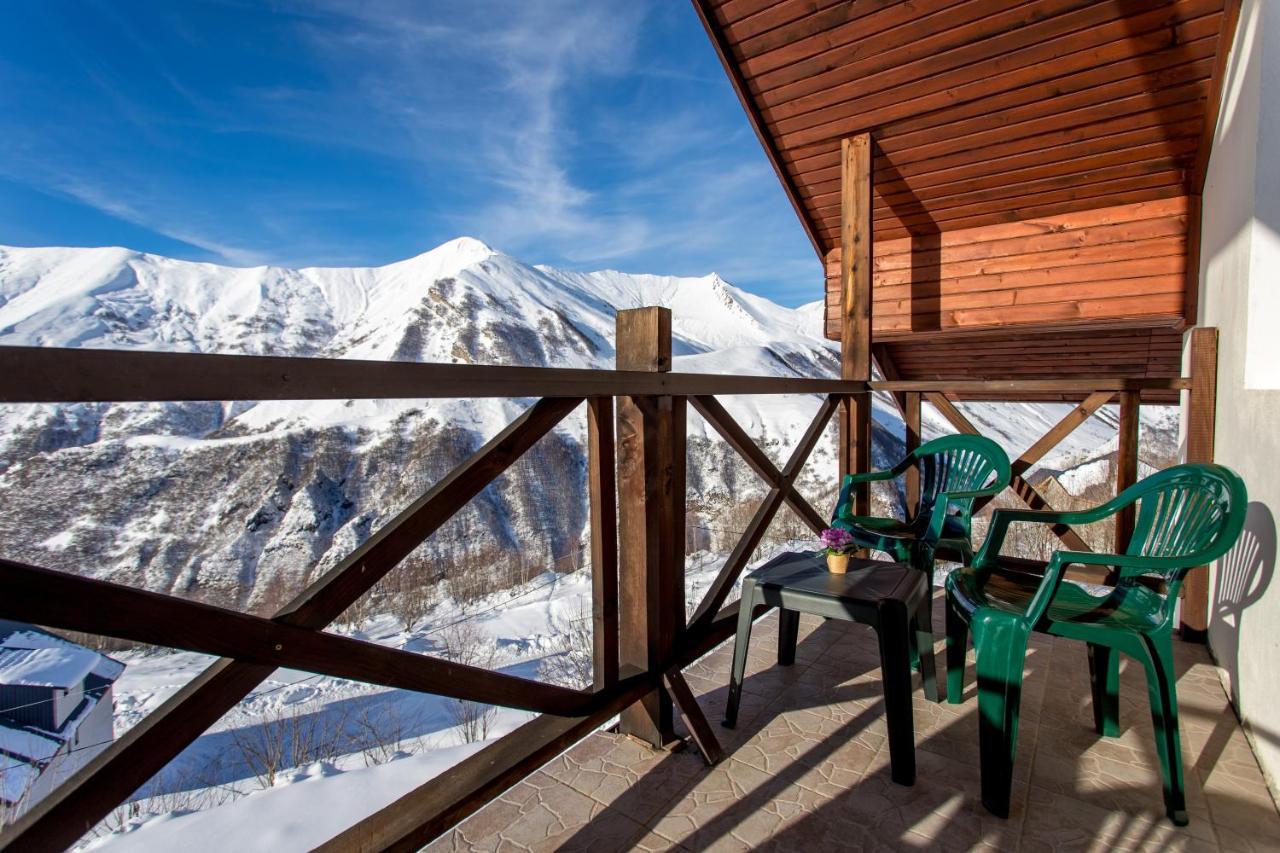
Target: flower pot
x: 838, y: 563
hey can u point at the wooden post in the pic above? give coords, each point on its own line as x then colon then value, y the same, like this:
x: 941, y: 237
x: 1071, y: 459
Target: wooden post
x: 651, y: 492
x: 1201, y: 412
x: 601, y: 484
x: 1127, y: 464
x: 911, y: 418
x: 855, y: 314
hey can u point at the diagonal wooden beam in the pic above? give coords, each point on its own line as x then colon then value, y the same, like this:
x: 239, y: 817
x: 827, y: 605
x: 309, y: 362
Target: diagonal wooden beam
x: 691, y: 712
x: 1024, y: 490
x: 715, y: 414
x: 1055, y: 436
x: 889, y: 370
x: 88, y: 795
x: 719, y: 589
x: 323, y: 601
x: 76, y: 603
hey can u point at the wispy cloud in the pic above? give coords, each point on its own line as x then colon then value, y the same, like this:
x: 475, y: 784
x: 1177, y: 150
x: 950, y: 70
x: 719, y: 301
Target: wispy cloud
x: 321, y: 131
x: 114, y: 203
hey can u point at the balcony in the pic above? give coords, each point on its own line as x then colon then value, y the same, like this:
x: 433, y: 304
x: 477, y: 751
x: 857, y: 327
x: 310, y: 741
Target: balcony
x: 807, y: 767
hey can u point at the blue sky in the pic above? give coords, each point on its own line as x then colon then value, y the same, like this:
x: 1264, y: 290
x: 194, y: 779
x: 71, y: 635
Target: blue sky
x: 585, y: 135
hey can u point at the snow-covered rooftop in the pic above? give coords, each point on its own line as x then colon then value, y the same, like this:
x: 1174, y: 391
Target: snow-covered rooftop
x: 63, y: 667
x: 104, y: 667
x: 16, y: 778
x: 22, y: 743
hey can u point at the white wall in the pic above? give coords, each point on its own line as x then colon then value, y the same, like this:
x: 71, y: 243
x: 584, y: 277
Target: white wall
x: 1240, y: 294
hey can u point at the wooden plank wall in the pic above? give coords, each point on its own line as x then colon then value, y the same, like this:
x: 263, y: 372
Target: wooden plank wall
x: 1121, y: 263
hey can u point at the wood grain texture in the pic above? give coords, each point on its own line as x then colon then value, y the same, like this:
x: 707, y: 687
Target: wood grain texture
x: 1127, y: 464
x: 60, y: 375
x: 856, y: 258
x: 73, y: 603
x: 1111, y: 84
x: 1201, y: 402
x: 603, y: 499
x: 1088, y: 266
x: 651, y: 493
x: 93, y: 790
x: 989, y: 114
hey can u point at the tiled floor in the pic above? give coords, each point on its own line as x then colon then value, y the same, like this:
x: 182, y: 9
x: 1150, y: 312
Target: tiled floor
x: 808, y: 768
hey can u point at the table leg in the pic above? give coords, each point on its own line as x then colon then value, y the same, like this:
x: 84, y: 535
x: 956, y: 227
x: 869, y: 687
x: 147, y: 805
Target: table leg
x: 894, y: 633
x: 746, y: 606
x: 788, y: 635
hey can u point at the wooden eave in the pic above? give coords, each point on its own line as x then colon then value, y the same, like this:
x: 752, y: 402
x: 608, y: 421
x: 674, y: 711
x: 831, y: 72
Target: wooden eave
x: 995, y: 121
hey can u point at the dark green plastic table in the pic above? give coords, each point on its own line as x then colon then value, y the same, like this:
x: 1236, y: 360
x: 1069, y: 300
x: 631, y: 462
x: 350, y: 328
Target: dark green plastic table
x: 892, y: 598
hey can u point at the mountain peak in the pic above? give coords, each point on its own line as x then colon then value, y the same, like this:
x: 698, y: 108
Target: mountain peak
x: 456, y: 254
x: 466, y: 244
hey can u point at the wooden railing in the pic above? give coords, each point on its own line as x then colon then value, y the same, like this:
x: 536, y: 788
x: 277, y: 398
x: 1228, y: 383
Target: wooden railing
x: 636, y: 485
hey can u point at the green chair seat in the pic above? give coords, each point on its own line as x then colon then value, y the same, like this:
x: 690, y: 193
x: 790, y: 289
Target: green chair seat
x: 1133, y: 608
x: 1186, y: 516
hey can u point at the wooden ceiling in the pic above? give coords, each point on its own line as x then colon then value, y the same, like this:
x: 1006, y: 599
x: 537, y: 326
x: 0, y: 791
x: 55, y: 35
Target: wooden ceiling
x: 985, y: 113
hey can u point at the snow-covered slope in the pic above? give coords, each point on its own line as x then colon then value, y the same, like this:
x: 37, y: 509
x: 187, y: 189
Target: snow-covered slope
x: 242, y: 501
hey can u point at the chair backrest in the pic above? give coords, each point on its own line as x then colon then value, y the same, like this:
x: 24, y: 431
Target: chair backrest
x: 953, y: 463
x: 958, y: 463
x: 1189, y: 513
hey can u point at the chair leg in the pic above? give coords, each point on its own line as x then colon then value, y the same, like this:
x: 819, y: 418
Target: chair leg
x: 1104, y: 678
x: 922, y: 628
x: 920, y: 558
x: 745, y: 608
x: 788, y: 635
x: 1161, y: 685
x: 1001, y: 645
x: 957, y: 649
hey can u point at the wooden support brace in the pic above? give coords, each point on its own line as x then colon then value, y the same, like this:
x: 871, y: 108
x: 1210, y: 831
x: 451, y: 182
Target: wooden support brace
x: 1024, y: 490
x: 856, y: 257
x: 74, y: 603
x: 1127, y: 465
x: 1201, y: 402
x: 737, y: 559
x: 691, y: 712
x: 602, y: 486
x: 911, y: 419
x: 651, y: 495
x: 1051, y: 439
x: 737, y: 438
x: 89, y: 794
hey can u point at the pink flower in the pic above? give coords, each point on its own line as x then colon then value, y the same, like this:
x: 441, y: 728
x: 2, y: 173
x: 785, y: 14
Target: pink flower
x: 837, y: 540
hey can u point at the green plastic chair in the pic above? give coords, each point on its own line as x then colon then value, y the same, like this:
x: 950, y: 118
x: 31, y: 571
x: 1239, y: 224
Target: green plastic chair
x: 955, y: 470
x: 1187, y: 516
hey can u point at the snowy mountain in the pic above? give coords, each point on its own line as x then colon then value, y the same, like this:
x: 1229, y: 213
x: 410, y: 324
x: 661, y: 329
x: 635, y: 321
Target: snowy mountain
x: 242, y: 501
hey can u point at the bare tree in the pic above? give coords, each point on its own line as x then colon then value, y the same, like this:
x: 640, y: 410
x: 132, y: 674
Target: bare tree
x: 463, y: 642
x: 571, y: 666
x: 289, y: 737
x: 380, y: 732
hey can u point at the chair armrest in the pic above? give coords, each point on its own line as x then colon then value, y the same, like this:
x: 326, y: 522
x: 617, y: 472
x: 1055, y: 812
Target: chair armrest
x: 994, y: 489
x: 870, y: 476
x: 1002, y: 518
x: 846, y: 486
x: 867, y: 522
